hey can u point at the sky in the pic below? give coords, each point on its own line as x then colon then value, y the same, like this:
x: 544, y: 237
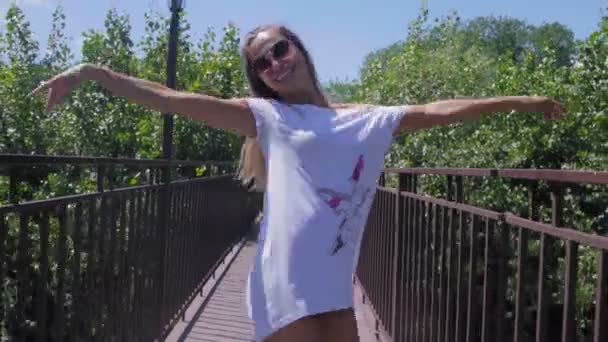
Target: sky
x: 338, y: 33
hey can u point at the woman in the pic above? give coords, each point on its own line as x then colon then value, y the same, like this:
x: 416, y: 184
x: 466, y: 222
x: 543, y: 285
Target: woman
x: 318, y: 164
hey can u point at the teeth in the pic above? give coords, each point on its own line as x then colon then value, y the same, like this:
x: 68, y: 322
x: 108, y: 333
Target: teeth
x: 280, y: 77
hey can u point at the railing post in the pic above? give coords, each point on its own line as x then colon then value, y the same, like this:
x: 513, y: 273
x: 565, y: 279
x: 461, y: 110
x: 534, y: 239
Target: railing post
x: 600, y: 328
x: 459, y: 189
x: 398, y: 262
x: 570, y: 277
x: 382, y: 180
x: 12, y: 187
x: 545, y: 252
x: 100, y: 178
x: 449, y: 188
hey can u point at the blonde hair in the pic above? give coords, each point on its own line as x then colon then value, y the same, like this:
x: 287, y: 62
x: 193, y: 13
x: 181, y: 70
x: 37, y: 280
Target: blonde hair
x: 252, y: 165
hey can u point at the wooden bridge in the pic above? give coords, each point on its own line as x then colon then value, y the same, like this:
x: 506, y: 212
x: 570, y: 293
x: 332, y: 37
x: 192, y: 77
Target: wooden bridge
x: 163, y: 254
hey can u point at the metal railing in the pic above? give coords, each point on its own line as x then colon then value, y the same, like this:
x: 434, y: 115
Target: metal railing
x: 437, y: 267
x: 118, y: 263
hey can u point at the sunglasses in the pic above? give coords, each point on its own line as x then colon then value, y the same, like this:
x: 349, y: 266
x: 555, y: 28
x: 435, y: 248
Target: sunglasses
x: 278, y: 50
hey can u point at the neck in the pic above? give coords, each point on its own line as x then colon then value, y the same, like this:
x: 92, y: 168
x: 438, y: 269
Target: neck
x: 311, y: 97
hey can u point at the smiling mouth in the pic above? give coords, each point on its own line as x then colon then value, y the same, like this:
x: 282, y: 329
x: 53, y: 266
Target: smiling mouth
x: 286, y: 73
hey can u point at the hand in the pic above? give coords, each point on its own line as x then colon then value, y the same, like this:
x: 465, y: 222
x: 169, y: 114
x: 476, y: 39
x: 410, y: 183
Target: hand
x: 61, y: 85
x: 551, y: 109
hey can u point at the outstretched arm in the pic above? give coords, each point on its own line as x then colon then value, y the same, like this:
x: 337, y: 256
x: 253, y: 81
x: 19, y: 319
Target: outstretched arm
x: 218, y: 113
x: 447, y: 112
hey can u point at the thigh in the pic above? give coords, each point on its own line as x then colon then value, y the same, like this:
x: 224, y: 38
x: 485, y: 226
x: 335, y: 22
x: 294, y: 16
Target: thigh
x: 339, y: 326
x: 307, y: 329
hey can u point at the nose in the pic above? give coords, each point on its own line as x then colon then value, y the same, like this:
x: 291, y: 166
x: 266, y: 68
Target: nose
x: 274, y: 64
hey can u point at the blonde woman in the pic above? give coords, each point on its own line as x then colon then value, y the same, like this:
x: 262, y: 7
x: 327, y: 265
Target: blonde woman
x: 318, y: 164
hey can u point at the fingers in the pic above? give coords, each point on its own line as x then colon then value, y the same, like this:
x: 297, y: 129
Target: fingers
x: 51, y: 98
x: 42, y: 87
x: 555, y: 110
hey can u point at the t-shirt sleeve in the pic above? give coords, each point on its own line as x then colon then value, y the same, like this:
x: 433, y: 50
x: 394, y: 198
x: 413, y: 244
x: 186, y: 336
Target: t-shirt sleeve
x: 387, y: 118
x: 264, y: 114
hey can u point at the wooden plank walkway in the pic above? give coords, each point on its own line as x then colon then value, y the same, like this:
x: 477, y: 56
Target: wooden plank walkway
x: 221, y: 314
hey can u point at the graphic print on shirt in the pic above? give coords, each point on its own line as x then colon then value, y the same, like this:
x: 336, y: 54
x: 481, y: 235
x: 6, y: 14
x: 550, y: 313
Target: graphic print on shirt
x: 346, y: 206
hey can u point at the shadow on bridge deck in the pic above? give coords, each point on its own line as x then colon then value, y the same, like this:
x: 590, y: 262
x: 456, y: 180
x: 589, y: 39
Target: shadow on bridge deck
x: 220, y: 315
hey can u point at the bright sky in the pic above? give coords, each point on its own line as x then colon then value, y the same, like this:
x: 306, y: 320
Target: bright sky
x: 338, y: 33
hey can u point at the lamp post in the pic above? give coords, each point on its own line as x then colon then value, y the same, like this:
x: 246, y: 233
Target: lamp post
x: 175, y: 6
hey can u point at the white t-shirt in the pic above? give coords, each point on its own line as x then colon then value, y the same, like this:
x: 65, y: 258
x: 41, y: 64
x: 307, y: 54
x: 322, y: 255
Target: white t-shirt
x: 322, y: 167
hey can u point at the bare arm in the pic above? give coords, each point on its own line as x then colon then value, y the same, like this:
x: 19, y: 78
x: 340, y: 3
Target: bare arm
x: 447, y: 112
x: 218, y: 113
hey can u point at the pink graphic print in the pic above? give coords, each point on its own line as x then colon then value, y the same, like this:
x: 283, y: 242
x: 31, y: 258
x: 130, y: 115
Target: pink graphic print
x: 342, y: 204
x: 358, y: 169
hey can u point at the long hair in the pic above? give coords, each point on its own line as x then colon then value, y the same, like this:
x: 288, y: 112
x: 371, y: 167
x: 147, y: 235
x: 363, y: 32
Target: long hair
x: 252, y: 168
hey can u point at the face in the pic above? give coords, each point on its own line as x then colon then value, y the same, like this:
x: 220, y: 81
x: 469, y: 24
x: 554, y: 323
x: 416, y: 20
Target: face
x: 279, y: 63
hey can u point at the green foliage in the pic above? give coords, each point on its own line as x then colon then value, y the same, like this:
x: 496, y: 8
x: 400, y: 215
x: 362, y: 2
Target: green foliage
x: 493, y: 57
x: 92, y: 122
x: 441, y: 58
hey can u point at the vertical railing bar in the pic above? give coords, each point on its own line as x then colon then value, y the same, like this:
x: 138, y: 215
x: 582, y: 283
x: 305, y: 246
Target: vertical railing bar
x: 184, y: 250
x: 178, y: 291
x: 443, y: 275
x: 61, y: 268
x: 41, y: 305
x: 91, y: 269
x: 600, y: 324
x: 409, y: 213
x: 176, y: 247
x: 151, y: 257
x: 569, y: 313
x: 416, y: 271
x: 193, y: 228
x: 121, y: 285
x: 522, y: 253
x: 391, y: 212
x: 458, y: 324
x: 3, y: 270
x: 401, y: 253
x: 434, y: 274
x: 427, y: 289
x: 164, y: 217
x: 472, y: 311
x: 111, y: 279
x: 77, y: 315
x: 130, y: 268
x: 460, y: 276
x: 502, y: 282
x: 385, y: 270
x: 545, y: 250
x: 100, y: 178
x: 22, y: 278
x: 102, y: 261
x: 412, y: 278
x: 187, y: 237
x: 141, y: 262
x: 450, y: 275
x: 570, y: 276
x: 486, y: 331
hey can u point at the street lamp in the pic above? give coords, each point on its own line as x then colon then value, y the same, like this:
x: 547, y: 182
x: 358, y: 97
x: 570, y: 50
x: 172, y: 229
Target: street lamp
x: 175, y: 6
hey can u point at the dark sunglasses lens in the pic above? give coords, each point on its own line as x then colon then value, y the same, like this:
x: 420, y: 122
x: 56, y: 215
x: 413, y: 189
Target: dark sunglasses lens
x: 280, y: 49
x: 261, y: 64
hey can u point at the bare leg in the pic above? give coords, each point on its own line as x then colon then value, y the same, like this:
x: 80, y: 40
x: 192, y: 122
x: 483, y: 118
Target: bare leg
x: 307, y: 329
x: 339, y: 326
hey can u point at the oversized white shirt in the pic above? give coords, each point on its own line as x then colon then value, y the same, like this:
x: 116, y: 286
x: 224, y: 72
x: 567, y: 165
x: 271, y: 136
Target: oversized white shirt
x: 322, y: 165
